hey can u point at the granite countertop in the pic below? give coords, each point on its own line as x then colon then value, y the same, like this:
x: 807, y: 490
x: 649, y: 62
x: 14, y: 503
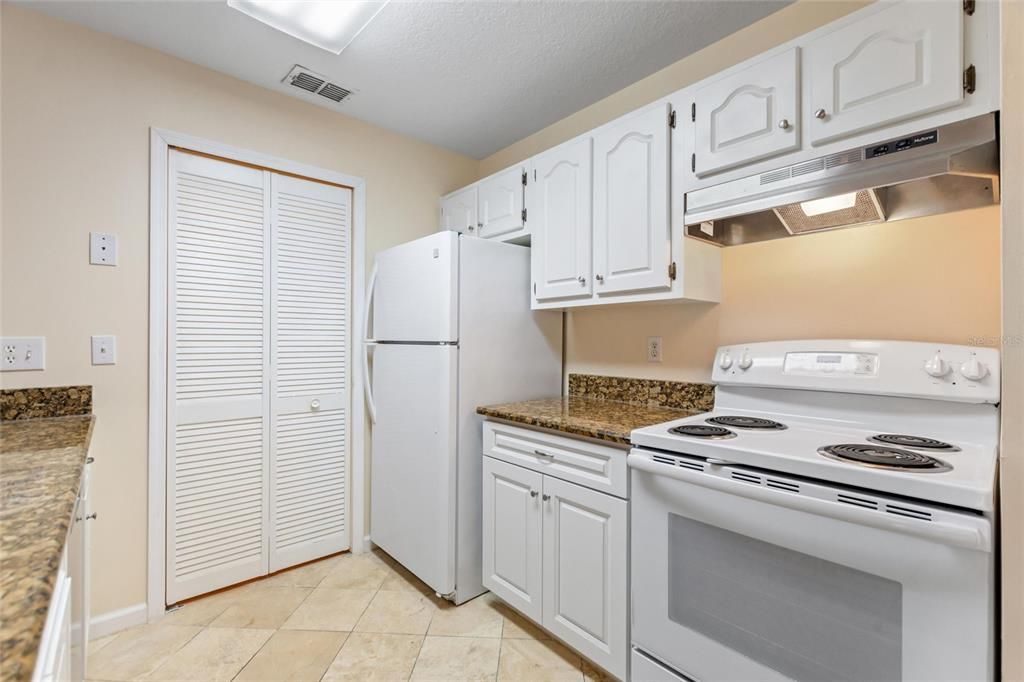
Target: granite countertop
x: 41, y: 465
x: 591, y: 417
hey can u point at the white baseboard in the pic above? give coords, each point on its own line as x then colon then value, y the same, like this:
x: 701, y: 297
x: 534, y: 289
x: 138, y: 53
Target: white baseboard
x: 114, y: 621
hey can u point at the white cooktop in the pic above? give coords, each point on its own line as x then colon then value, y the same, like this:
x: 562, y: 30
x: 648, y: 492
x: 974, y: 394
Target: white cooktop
x: 839, y: 392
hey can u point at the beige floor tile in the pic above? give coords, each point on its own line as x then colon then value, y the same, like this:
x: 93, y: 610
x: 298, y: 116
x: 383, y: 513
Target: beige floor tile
x: 367, y: 656
x: 358, y: 572
x: 518, y: 626
x: 476, y: 618
x: 137, y: 651
x: 402, y: 613
x: 100, y: 642
x: 329, y: 608
x: 261, y: 607
x: 535, y: 661
x: 215, y: 654
x: 293, y: 656
x: 201, y: 611
x: 401, y: 579
x: 308, y: 575
x: 457, y: 658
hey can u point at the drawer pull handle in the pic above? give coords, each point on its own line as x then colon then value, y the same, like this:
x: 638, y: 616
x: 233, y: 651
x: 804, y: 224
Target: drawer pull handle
x: 533, y: 493
x: 543, y: 454
x: 90, y: 460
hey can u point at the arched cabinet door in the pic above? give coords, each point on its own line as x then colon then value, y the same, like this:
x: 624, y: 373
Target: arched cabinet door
x: 891, y: 65
x: 632, y: 242
x: 747, y: 116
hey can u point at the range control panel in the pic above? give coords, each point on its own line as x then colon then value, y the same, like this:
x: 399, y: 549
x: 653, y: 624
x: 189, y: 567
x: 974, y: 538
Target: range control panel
x: 831, y: 364
x: 896, y: 368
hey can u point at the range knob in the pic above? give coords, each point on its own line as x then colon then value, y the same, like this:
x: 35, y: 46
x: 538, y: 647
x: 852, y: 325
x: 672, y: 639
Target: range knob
x: 973, y: 370
x: 936, y: 367
x: 745, y: 361
x: 725, y: 360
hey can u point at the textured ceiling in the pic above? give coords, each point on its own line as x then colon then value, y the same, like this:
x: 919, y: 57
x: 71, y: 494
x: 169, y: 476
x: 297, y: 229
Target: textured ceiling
x: 473, y: 77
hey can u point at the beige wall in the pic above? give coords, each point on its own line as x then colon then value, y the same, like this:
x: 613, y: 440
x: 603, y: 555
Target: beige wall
x: 933, y: 278
x: 1012, y: 448
x: 77, y: 109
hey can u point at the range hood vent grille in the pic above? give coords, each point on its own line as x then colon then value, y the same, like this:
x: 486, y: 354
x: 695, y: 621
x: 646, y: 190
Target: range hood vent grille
x: 316, y: 84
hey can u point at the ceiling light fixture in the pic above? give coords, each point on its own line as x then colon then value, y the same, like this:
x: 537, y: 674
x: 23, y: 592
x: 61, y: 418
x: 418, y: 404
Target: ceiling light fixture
x: 839, y: 202
x: 329, y: 24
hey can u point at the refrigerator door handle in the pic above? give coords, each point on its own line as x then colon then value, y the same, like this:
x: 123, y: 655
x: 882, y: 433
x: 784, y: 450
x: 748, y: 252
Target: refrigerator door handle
x: 368, y: 342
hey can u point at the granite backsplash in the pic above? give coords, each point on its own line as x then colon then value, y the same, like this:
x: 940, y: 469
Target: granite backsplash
x: 44, y: 403
x: 681, y: 395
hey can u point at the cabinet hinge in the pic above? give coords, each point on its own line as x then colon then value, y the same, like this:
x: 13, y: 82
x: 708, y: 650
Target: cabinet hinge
x: 672, y: 270
x: 524, y: 178
x: 970, y: 79
x: 969, y: 7
x: 524, y: 215
x: 693, y: 163
x: 534, y: 288
x: 672, y: 119
x: 693, y: 112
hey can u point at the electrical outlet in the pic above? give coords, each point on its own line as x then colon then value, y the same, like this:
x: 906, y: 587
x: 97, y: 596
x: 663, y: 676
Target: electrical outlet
x: 104, y: 350
x: 653, y: 349
x: 102, y: 248
x: 23, y: 352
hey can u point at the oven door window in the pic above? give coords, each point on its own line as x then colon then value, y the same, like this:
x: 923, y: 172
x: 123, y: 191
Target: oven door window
x: 807, y: 618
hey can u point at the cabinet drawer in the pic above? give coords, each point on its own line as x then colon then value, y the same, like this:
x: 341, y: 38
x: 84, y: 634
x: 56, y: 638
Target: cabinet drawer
x: 595, y: 466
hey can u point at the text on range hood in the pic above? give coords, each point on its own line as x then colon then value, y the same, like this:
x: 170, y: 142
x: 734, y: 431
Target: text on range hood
x: 939, y: 170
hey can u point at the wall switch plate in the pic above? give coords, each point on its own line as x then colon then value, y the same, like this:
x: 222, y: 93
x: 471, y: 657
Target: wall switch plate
x: 102, y: 248
x: 653, y: 349
x: 23, y: 352
x: 104, y: 350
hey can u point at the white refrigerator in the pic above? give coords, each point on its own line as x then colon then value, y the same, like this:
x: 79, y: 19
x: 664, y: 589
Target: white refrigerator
x: 452, y: 329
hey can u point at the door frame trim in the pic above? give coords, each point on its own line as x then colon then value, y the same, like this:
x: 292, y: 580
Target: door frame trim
x: 161, y: 141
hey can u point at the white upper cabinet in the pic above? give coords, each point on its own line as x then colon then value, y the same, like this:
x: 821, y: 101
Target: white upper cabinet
x: 747, y: 115
x: 559, y: 211
x: 500, y: 203
x: 632, y: 240
x: 892, y: 65
x: 458, y: 211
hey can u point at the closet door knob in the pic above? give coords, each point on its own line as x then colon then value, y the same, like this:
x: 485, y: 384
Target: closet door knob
x: 314, y: 404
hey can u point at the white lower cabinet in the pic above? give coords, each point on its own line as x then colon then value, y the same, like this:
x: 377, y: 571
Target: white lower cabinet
x: 557, y: 552
x: 512, y: 535
x: 585, y: 583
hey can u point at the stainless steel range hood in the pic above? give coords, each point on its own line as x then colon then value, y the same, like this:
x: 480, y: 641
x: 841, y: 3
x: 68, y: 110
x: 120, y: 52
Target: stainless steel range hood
x: 950, y: 168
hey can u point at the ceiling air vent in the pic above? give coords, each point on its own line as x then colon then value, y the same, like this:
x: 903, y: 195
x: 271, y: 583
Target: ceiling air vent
x: 316, y: 84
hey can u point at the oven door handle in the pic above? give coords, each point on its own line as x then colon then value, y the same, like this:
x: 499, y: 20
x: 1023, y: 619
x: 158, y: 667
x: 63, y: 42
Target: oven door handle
x: 939, y: 531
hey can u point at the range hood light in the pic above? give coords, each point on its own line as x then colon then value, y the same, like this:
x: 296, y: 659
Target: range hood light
x: 840, y: 202
x: 329, y: 24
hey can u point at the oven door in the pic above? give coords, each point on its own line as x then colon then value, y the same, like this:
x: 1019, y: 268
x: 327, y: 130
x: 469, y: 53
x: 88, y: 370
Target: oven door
x: 738, y: 574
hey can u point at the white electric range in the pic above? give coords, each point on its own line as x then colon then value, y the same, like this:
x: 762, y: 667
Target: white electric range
x: 830, y: 518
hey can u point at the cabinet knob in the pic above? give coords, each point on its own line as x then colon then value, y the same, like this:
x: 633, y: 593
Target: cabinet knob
x: 820, y: 113
x: 314, y: 404
x: 784, y: 124
x: 480, y: 225
x: 599, y: 278
x: 92, y: 517
x: 582, y: 280
x: 470, y: 228
x: 533, y: 493
x: 546, y: 497
x: 90, y: 460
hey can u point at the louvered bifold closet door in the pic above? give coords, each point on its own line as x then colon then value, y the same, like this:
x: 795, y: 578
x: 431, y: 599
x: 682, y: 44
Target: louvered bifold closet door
x: 218, y: 434
x: 310, y: 316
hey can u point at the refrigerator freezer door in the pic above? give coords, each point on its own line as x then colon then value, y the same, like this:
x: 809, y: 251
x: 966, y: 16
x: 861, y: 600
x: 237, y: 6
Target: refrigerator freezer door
x: 416, y: 295
x: 413, y: 465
